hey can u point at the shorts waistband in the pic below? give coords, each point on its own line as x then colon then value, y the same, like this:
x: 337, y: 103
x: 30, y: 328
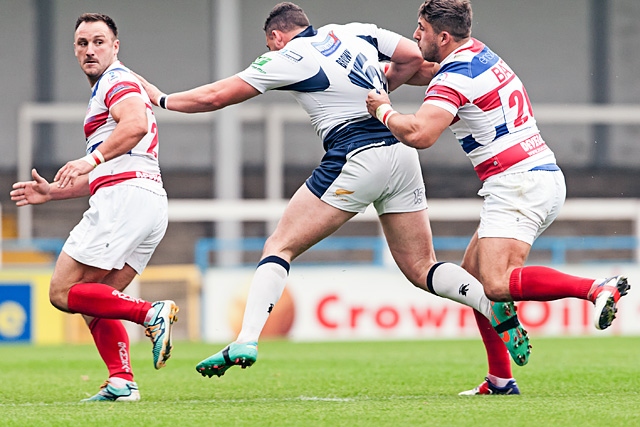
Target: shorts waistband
x: 551, y: 167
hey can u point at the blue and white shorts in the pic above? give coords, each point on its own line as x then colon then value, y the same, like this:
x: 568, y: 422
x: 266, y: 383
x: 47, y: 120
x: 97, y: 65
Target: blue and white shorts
x: 389, y: 176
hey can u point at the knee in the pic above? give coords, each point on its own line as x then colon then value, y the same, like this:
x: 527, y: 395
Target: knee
x: 496, y: 292
x: 58, y: 296
x: 417, y: 273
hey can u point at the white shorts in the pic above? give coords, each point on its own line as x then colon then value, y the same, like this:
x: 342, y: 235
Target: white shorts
x: 389, y: 176
x: 124, y: 224
x: 521, y: 205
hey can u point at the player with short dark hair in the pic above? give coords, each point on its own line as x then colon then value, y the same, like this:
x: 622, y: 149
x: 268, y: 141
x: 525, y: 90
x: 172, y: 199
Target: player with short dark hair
x: 330, y: 71
x: 127, y: 217
x: 479, y: 97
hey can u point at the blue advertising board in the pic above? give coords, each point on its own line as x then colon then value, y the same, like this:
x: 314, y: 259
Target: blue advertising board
x: 15, y: 312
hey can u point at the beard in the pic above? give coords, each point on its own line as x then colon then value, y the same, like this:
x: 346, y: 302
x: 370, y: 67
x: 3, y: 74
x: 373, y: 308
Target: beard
x: 430, y: 52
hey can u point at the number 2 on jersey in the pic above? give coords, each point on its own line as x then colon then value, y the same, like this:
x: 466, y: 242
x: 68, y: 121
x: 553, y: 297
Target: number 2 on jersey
x: 519, y: 98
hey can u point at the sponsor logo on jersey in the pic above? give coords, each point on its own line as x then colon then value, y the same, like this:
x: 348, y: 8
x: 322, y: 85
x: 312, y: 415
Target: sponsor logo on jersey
x: 329, y: 45
x: 113, y: 76
x: 152, y: 176
x: 117, y: 88
x: 487, y: 56
x: 533, y: 145
x: 259, y: 63
x: 290, y: 55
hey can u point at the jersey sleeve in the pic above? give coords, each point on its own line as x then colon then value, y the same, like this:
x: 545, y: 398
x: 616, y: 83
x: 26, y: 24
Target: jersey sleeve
x: 449, y: 92
x: 278, y: 69
x: 384, y: 40
x: 120, y: 85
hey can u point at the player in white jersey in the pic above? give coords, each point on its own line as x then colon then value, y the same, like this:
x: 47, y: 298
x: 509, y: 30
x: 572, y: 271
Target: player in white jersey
x: 127, y: 217
x: 330, y: 71
x: 483, y: 102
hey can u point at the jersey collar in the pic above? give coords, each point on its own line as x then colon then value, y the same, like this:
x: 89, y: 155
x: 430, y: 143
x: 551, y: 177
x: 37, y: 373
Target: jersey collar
x: 307, y: 32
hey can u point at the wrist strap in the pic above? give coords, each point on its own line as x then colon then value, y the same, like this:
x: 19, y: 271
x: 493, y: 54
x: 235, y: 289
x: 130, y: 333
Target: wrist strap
x: 162, y: 102
x: 98, y: 156
x: 90, y: 159
x: 94, y: 159
x: 383, y: 112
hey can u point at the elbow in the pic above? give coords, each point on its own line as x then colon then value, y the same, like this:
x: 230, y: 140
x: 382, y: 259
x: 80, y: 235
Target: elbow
x: 419, y: 140
x: 212, y: 101
x: 139, y: 130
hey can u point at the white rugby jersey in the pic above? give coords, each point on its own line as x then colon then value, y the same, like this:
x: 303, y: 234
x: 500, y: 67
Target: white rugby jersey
x: 330, y: 71
x: 494, y: 121
x: 140, y: 165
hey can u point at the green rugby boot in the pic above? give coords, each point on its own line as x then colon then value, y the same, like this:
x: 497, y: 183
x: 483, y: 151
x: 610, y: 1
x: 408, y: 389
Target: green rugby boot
x: 159, y: 330
x: 109, y: 393
x: 505, y: 322
x: 241, y: 354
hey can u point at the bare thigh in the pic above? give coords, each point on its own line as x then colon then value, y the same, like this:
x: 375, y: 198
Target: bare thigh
x: 306, y: 221
x: 410, y: 241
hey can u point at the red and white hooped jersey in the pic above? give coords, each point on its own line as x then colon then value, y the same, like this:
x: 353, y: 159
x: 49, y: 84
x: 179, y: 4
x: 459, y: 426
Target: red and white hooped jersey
x: 140, y: 165
x: 494, y: 120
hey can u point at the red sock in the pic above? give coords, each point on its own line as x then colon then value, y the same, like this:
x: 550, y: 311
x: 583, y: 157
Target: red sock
x: 497, y: 353
x: 534, y: 283
x: 103, y: 301
x: 112, y: 341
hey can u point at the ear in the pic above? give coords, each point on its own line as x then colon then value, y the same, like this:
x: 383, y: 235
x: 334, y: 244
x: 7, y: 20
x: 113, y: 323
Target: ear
x: 445, y: 38
x: 279, y: 39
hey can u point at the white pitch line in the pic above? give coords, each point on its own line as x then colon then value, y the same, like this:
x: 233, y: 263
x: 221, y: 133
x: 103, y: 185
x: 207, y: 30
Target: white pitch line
x: 209, y: 401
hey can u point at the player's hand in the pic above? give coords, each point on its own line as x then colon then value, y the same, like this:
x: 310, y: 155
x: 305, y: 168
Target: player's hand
x: 31, y: 192
x: 153, y: 92
x: 72, y: 170
x: 375, y: 99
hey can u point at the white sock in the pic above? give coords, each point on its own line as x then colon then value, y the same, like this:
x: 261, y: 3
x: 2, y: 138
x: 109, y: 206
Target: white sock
x: 118, y: 382
x: 454, y: 282
x: 266, y: 288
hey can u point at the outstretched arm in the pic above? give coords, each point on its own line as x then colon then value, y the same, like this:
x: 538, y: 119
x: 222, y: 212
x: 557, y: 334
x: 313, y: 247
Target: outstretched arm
x: 40, y: 191
x: 209, y: 97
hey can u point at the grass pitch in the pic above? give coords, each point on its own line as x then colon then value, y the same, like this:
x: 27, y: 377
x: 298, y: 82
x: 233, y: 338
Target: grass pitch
x: 568, y: 382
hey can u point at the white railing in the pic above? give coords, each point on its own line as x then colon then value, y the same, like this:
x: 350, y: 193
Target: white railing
x: 275, y: 116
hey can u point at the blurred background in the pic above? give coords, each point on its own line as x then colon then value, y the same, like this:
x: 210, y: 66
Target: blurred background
x: 578, y: 59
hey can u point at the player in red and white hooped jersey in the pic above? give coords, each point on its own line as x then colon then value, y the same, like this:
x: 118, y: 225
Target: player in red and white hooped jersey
x: 140, y: 163
x: 127, y: 217
x: 493, y: 118
x: 479, y: 97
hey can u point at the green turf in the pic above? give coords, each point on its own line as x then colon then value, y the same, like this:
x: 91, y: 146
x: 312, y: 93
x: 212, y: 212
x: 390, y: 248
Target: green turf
x: 568, y: 382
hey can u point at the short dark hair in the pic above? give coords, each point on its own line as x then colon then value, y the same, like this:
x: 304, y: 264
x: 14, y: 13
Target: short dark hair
x: 95, y: 17
x: 285, y: 16
x: 453, y: 16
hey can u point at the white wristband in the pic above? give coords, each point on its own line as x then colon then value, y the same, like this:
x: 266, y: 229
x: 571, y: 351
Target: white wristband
x: 99, y: 155
x: 94, y: 159
x: 383, y: 112
x: 90, y: 159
